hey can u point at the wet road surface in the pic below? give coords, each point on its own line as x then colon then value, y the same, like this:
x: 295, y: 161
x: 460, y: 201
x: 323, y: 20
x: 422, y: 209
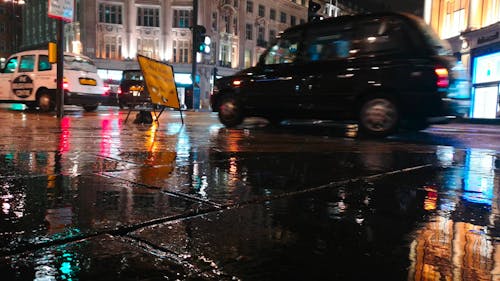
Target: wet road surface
x: 90, y: 197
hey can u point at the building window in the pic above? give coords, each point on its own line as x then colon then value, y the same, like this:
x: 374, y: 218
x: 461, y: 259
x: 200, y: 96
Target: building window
x: 283, y: 17
x: 109, y: 13
x: 249, y: 31
x: 261, y: 41
x: 148, y: 17
x: 182, y: 18
x: 236, y: 3
x: 224, y: 56
x: 148, y: 47
x: 227, y: 23
x: 262, y: 11
x: 235, y: 25
x: 272, y: 14
x: 249, y: 6
x: 110, y: 47
x: 214, y: 21
x: 293, y: 20
x: 248, y: 58
x: 2, y: 27
x: 181, y: 51
x: 302, y: 21
x: 454, y: 20
x: 261, y: 32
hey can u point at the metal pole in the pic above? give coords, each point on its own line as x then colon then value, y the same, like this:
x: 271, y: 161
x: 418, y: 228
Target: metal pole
x: 60, y: 68
x: 14, y: 27
x: 194, y: 51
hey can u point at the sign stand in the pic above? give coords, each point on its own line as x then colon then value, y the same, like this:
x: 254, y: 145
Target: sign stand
x: 160, y: 85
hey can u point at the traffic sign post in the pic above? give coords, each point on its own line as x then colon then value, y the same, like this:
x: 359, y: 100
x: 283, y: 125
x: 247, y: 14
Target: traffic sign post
x: 62, y: 10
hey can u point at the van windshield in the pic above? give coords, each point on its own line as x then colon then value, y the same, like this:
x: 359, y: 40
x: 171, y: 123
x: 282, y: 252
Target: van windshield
x: 132, y: 75
x: 442, y: 47
x: 79, y: 63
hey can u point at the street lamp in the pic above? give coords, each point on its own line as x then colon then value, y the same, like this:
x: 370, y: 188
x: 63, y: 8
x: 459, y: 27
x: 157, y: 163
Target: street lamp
x: 15, y: 22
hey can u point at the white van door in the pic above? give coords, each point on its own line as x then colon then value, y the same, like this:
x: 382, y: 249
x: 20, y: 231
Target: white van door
x: 6, y: 78
x: 23, y: 88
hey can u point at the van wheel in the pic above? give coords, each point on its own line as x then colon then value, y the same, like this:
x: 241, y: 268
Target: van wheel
x: 230, y: 112
x: 90, y: 108
x: 46, y: 102
x: 378, y: 117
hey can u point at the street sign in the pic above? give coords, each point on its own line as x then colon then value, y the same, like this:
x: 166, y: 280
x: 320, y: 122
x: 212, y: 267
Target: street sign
x: 159, y: 78
x: 61, y: 9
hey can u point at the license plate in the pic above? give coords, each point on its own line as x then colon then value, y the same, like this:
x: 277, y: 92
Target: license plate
x: 88, y: 81
x: 136, y: 93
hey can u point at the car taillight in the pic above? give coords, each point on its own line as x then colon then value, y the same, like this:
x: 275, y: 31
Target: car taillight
x: 65, y: 83
x: 119, y: 90
x: 442, y: 77
x: 106, y: 88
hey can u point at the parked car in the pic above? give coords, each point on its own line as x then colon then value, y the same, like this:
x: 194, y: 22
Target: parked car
x: 381, y: 70
x: 29, y: 78
x: 132, y: 89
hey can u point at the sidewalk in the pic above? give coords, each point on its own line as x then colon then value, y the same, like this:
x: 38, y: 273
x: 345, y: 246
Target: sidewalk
x: 481, y: 121
x: 468, y: 125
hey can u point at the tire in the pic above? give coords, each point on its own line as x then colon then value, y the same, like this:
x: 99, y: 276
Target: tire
x: 45, y: 101
x: 90, y: 108
x: 230, y: 112
x: 378, y: 117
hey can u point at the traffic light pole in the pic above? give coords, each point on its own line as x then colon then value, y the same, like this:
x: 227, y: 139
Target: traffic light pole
x: 196, y: 89
x: 60, y: 69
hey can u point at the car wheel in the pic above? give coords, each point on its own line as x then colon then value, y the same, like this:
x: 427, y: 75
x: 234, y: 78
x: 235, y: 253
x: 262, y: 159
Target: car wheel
x: 230, y: 112
x: 90, y: 108
x: 45, y: 102
x: 378, y: 117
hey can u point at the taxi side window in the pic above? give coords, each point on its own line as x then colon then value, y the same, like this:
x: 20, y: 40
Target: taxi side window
x: 383, y: 35
x: 11, y: 65
x: 43, y: 63
x: 328, y: 43
x: 284, y: 51
x: 27, y: 63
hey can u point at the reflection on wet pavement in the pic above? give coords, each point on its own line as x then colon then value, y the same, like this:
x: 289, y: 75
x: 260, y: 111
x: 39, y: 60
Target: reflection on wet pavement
x: 196, y: 201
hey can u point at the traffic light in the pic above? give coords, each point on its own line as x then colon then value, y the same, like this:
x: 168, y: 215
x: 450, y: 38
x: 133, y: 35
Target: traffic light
x: 313, y: 10
x: 200, y: 40
x: 205, y: 47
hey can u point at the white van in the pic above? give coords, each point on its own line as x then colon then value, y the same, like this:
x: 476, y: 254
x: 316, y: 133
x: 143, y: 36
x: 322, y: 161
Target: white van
x: 29, y: 78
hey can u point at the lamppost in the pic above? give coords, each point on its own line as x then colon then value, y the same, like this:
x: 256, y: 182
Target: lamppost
x: 15, y: 22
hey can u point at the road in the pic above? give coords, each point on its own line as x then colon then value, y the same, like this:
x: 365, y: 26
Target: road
x: 91, y: 197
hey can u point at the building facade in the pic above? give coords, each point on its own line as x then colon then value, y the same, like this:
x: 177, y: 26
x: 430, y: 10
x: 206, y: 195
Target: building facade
x: 10, y: 27
x: 114, y: 32
x: 472, y: 27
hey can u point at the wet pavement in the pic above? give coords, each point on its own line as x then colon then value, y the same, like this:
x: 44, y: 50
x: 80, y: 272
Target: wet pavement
x: 90, y: 197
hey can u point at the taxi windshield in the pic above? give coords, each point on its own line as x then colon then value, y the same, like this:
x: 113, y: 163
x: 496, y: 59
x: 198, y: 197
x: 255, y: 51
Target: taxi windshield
x: 79, y: 63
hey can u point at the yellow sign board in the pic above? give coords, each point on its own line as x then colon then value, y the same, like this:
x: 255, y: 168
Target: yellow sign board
x: 159, y: 78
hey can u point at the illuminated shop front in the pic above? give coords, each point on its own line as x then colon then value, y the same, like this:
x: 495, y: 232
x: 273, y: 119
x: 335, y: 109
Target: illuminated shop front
x: 473, y: 29
x: 485, y: 84
x: 479, y: 52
